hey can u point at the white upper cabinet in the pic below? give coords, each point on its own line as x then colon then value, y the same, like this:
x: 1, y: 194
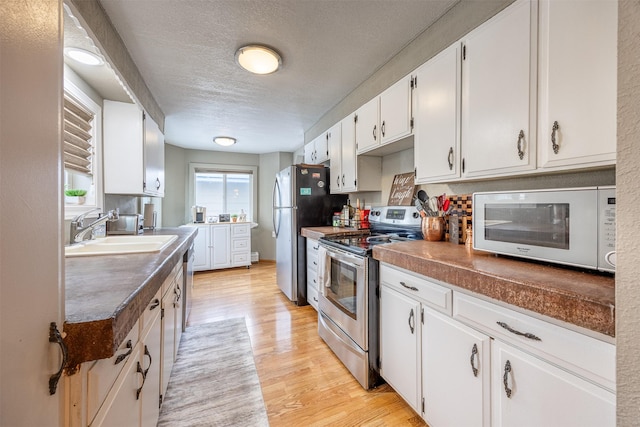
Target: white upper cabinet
x: 498, y: 95
x: 317, y: 151
x: 335, y: 154
x: 437, y: 116
x: 133, y: 151
x: 367, y: 126
x: 386, y: 118
x: 395, y: 111
x: 349, y: 169
x: 578, y: 77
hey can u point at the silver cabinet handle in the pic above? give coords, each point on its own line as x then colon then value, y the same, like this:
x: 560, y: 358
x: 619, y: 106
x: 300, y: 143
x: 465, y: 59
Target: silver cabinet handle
x: 157, y: 183
x: 382, y: 128
x: 519, y: 145
x: 56, y: 337
x: 411, y: 321
x: 505, y: 379
x: 413, y: 288
x: 474, y: 355
x: 450, y: 158
x: 375, y: 137
x: 554, y: 131
x: 522, y: 334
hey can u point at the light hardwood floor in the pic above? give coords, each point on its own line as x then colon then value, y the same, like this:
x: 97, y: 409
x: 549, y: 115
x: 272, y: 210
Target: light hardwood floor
x: 303, y: 382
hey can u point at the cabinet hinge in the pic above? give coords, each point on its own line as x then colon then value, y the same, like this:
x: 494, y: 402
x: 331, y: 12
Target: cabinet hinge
x: 144, y: 185
x: 423, y: 405
x: 464, y: 52
x: 411, y: 122
x: 463, y: 165
x: 422, y: 315
x: 355, y: 118
x: 415, y: 172
x: 162, y: 313
x: 414, y: 82
x: 379, y: 362
x: 160, y: 401
x: 144, y: 116
x: 355, y: 183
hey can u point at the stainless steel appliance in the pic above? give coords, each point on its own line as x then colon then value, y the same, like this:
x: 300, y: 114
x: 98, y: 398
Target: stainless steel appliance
x: 126, y: 224
x: 301, y: 198
x: 348, y: 315
x: 199, y: 214
x: 573, y: 226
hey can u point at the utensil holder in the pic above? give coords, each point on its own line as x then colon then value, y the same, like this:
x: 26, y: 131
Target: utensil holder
x: 433, y: 228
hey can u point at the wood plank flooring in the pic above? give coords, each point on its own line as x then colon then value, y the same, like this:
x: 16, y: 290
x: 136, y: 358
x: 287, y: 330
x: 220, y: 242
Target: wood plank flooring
x: 303, y: 382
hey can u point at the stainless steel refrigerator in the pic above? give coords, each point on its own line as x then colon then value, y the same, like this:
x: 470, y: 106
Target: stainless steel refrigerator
x: 301, y: 198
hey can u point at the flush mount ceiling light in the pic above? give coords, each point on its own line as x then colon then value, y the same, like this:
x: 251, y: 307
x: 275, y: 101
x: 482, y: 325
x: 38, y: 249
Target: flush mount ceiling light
x: 225, y: 141
x: 83, y: 56
x: 258, y: 59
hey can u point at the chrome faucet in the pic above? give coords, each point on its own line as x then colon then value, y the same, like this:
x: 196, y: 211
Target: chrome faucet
x: 78, y: 231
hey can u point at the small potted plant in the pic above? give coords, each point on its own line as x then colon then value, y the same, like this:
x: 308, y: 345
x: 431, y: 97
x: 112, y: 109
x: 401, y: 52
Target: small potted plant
x: 234, y: 218
x: 74, y: 197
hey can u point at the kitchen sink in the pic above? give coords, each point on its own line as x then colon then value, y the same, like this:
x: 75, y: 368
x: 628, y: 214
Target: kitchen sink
x: 114, y: 245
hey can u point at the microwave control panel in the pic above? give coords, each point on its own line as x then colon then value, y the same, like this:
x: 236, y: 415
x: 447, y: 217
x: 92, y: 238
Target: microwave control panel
x: 607, y: 228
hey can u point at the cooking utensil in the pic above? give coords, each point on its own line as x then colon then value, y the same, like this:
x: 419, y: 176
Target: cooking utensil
x: 423, y: 196
x: 433, y: 204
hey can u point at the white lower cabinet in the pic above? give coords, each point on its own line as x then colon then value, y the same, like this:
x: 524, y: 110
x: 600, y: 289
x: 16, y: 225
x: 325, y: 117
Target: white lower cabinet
x: 456, y: 362
x: 399, y: 344
x: 222, y: 246
x: 127, y: 389
x: 313, y: 281
x: 459, y: 360
x: 528, y: 391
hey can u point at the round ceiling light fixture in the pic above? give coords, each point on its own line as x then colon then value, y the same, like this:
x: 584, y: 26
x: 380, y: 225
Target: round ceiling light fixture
x: 258, y: 59
x: 83, y: 56
x: 225, y: 141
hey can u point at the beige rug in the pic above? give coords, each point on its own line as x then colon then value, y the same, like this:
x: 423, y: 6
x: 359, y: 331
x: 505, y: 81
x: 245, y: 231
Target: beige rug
x: 214, y: 381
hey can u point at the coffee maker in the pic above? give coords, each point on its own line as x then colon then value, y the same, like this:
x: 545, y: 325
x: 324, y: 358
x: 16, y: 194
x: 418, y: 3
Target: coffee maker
x: 199, y: 214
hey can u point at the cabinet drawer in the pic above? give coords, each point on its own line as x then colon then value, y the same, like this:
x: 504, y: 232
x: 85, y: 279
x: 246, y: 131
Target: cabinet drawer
x: 312, y: 278
x: 102, y: 375
x: 240, y: 230
x: 168, y: 282
x: 419, y: 287
x: 152, y: 308
x: 312, y: 296
x: 239, y: 245
x: 241, y: 258
x: 584, y: 355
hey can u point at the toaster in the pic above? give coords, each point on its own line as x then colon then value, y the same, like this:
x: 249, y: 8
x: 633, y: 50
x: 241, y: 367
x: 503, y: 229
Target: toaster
x: 126, y: 224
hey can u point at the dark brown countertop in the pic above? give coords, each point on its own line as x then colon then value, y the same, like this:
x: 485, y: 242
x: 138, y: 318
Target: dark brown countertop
x: 105, y: 295
x: 577, y: 297
x: 318, y: 232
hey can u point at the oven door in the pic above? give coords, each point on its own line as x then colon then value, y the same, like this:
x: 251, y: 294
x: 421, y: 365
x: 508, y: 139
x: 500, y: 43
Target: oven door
x: 343, y: 293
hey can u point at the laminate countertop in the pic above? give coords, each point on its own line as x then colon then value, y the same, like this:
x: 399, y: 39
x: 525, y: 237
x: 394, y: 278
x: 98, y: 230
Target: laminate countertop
x: 106, y: 294
x: 580, y: 298
x: 318, y: 232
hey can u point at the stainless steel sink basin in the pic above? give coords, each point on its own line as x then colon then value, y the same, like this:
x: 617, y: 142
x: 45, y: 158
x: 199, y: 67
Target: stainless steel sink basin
x: 114, y: 245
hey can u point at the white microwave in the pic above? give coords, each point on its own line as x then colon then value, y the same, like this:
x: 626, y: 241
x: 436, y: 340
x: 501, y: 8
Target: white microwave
x: 573, y: 226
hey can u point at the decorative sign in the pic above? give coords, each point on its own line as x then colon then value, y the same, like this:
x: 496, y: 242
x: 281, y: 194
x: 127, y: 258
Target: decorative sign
x: 305, y: 191
x: 402, y: 190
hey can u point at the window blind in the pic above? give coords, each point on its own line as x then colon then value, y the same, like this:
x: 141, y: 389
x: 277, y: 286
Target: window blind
x: 78, y: 138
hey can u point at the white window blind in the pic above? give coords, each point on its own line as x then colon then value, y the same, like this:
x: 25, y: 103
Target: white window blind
x: 78, y: 136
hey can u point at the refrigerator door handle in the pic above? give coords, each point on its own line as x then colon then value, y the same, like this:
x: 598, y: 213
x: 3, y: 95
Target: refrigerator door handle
x: 276, y: 208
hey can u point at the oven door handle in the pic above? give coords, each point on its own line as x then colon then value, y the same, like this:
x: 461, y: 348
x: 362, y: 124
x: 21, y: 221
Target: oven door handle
x: 341, y: 258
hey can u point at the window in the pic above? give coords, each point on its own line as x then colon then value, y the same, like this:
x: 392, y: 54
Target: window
x: 82, y: 137
x: 224, y: 189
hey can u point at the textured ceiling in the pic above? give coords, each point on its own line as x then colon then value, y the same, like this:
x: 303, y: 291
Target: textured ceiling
x: 185, y: 53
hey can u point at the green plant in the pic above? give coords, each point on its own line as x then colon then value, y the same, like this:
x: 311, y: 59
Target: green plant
x: 234, y: 216
x: 75, y: 193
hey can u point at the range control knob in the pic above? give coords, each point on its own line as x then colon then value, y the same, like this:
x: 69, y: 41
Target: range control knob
x: 416, y: 214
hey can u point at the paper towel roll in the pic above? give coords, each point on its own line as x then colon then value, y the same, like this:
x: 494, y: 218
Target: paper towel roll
x: 149, y: 216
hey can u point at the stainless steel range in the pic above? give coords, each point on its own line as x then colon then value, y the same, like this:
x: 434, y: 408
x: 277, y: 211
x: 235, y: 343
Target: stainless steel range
x: 348, y: 319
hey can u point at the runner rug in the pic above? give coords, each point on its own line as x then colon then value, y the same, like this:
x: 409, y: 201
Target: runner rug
x: 214, y: 381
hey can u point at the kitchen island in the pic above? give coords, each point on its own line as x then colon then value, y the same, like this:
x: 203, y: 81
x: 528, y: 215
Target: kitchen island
x: 106, y: 295
x: 579, y: 298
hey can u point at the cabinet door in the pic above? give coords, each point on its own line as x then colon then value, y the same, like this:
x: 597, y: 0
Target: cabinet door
x: 578, y: 76
x: 349, y: 164
x: 498, y: 96
x: 527, y: 391
x: 437, y: 115
x: 122, y: 407
x: 151, y: 361
x: 367, y: 126
x: 153, y: 158
x: 456, y: 362
x: 395, y: 111
x: 220, y: 238
x: 178, y: 304
x: 202, y: 249
x: 321, y: 148
x: 335, y: 154
x: 309, y: 153
x: 399, y: 349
